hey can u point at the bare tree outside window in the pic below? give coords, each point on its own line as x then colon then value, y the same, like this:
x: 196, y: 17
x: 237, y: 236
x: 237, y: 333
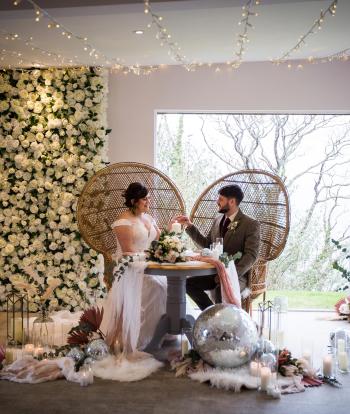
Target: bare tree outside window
x: 310, y: 153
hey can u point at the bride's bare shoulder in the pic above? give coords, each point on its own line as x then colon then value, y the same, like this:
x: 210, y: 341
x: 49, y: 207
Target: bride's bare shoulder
x: 124, y: 215
x: 124, y: 219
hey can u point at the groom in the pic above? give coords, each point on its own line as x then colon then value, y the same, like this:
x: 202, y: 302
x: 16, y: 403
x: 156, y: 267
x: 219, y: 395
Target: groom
x: 240, y: 232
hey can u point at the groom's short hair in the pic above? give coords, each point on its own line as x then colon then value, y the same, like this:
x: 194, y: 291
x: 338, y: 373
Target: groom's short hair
x: 232, y: 191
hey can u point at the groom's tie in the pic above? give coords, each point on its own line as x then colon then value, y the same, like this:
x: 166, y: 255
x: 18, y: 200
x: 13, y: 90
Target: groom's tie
x: 225, y: 225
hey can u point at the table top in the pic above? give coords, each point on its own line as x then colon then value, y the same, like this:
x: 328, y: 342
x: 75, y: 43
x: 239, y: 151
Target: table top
x: 190, y: 265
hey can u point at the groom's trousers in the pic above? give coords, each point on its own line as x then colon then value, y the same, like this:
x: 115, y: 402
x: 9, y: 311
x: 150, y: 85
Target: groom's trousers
x: 196, y: 287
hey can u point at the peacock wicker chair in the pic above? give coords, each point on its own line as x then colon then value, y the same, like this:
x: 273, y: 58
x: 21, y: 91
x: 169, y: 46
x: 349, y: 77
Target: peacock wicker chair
x: 101, y: 202
x: 266, y: 200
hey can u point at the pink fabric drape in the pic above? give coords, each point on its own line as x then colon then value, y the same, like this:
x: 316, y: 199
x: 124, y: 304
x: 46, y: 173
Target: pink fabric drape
x: 227, y: 293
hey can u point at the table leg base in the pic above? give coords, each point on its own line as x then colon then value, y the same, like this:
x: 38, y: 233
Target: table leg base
x: 162, y: 328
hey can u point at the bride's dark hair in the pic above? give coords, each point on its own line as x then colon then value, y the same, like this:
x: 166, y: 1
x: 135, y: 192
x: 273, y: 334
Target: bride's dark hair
x: 133, y: 193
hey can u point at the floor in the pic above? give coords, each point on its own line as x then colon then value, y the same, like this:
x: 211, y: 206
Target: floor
x: 163, y: 393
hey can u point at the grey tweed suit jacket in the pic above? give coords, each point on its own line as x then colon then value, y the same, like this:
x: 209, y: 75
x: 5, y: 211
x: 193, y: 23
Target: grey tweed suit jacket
x: 245, y: 239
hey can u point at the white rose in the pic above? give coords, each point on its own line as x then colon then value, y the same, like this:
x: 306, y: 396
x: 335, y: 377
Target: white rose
x: 79, y: 95
x: 101, y: 133
x: 38, y: 107
x: 88, y: 103
x: 9, y: 248
x: 55, y: 145
x: 53, y: 246
x: 80, y: 172
x: 48, y: 185
x: 93, y: 282
x: 65, y: 219
x: 4, y: 106
x: 34, y: 209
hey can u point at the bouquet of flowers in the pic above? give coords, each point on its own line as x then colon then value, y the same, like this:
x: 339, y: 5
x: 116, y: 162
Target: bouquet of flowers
x: 170, y: 248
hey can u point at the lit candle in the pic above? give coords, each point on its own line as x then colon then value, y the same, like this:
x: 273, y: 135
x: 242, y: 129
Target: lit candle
x: 341, y: 345
x: 254, y: 368
x: 327, y: 366
x: 343, y: 361
x: 265, y: 376
x: 219, y: 248
x: 38, y: 352
x: 9, y: 356
x: 176, y: 227
x: 29, y: 349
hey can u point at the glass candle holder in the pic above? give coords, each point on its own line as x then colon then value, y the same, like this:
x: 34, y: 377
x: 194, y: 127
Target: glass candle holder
x: 266, y: 358
x: 280, y: 310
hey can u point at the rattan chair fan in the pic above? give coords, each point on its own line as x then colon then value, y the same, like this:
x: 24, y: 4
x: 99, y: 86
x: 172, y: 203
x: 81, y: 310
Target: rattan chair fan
x: 266, y: 200
x: 101, y: 202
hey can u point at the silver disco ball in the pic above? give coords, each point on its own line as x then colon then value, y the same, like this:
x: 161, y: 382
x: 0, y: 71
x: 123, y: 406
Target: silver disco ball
x: 76, y: 354
x: 225, y: 336
x: 97, y: 349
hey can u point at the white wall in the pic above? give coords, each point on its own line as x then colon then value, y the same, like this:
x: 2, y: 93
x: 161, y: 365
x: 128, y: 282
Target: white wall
x: 260, y: 87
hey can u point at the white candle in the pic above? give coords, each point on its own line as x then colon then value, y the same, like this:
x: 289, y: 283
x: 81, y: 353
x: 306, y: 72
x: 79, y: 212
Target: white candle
x: 219, y: 248
x: 327, y: 366
x: 307, y: 356
x: 265, y: 376
x: 254, y: 369
x: 184, y: 346
x: 38, y: 352
x: 176, y: 227
x: 9, y: 356
x: 343, y: 361
x: 29, y: 349
x: 341, y: 345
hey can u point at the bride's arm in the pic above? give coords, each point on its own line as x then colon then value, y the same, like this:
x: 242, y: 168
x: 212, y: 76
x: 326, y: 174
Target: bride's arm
x: 125, y: 238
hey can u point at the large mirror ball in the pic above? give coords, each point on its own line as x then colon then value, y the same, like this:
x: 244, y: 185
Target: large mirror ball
x: 225, y: 336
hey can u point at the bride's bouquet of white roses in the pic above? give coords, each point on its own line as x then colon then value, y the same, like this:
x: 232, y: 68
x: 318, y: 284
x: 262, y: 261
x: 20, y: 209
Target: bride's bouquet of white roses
x: 170, y: 248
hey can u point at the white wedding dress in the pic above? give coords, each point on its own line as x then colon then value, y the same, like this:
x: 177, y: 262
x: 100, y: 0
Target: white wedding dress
x: 132, y: 311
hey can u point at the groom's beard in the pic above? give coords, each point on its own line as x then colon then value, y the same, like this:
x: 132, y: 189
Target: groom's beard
x: 224, y: 209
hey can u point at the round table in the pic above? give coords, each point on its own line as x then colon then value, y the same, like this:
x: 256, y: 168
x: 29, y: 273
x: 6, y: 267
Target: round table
x: 175, y: 318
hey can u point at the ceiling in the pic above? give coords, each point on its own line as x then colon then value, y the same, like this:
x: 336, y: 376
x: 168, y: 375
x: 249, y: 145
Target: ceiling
x: 206, y: 30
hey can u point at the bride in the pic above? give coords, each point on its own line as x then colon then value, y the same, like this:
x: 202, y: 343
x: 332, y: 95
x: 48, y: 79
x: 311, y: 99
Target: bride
x: 136, y: 301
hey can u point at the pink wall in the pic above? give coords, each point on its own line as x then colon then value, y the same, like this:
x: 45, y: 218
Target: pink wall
x: 262, y: 87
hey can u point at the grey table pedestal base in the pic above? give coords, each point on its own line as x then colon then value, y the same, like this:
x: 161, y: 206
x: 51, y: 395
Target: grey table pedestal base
x: 175, y: 321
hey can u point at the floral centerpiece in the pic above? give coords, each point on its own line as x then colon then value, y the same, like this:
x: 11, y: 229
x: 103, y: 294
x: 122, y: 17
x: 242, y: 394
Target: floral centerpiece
x: 170, y: 248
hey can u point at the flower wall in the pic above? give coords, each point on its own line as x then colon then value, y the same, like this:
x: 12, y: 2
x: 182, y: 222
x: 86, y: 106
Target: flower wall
x: 53, y: 137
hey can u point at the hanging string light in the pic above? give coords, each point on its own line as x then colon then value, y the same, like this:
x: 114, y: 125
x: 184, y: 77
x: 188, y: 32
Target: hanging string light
x: 342, y: 56
x: 58, y: 58
x: 165, y: 38
x: 116, y: 64
x: 317, y: 25
x: 242, y: 38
